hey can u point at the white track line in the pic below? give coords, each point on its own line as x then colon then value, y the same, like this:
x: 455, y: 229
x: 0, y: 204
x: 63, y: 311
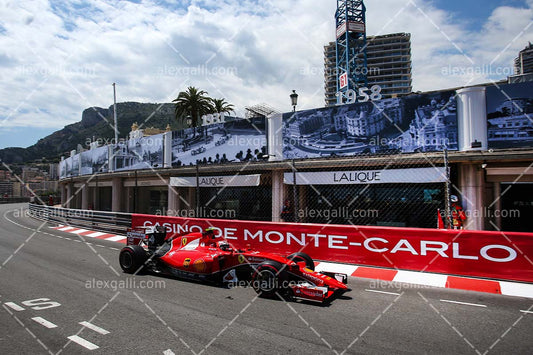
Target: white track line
x: 465, y: 303
x: 86, y: 344
x: 14, y: 306
x: 528, y: 312
x: 44, y: 322
x: 95, y: 328
x: 383, y: 292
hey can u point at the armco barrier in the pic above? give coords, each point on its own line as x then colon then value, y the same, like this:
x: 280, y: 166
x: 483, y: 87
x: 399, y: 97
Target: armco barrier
x: 506, y: 256
x: 110, y: 222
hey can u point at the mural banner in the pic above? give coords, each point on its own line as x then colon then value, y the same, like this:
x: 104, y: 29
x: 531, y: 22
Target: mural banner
x: 95, y: 161
x: 459, y: 252
x: 510, y: 115
x: 139, y: 153
x: 69, y: 167
x: 414, y: 123
x: 234, y: 141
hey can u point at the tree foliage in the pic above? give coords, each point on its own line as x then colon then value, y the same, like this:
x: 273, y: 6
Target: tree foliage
x: 194, y: 103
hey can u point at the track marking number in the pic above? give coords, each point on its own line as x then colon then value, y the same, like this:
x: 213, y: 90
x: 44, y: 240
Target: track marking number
x: 39, y: 304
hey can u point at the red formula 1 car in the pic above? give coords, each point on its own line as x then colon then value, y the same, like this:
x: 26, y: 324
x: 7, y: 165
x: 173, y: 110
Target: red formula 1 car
x: 199, y: 256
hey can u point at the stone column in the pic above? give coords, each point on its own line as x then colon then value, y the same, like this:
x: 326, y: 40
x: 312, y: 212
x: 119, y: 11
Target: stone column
x: 173, y: 200
x: 302, y: 204
x: 497, y: 199
x: 278, y: 194
x: 63, y: 190
x: 471, y: 185
x: 117, y: 195
x: 68, y: 201
x: 85, y: 197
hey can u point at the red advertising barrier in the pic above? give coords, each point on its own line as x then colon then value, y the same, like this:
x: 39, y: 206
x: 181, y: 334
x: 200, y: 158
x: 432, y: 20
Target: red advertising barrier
x: 507, y: 256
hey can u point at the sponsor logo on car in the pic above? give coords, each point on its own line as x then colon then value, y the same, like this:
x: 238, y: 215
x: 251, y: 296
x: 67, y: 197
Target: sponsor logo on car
x: 199, y: 265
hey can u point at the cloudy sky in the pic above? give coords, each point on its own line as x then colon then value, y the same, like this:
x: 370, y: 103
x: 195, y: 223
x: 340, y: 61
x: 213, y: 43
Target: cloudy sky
x: 60, y: 57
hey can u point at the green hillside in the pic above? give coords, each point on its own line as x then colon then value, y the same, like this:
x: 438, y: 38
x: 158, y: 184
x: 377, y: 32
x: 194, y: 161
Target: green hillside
x: 96, y: 124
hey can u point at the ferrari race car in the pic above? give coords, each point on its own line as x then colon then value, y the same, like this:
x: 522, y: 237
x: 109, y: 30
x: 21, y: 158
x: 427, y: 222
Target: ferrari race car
x: 200, y: 257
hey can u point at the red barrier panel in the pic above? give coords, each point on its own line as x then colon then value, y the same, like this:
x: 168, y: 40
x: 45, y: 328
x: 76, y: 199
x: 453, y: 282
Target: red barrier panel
x: 507, y: 256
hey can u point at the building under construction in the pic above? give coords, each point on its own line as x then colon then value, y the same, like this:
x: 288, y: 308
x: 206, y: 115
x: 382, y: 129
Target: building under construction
x: 389, y: 66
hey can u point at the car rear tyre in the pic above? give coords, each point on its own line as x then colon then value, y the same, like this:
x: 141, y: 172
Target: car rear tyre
x: 132, y: 258
x: 267, y: 278
x: 303, y: 257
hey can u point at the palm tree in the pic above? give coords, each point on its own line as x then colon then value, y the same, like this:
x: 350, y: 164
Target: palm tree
x: 222, y: 106
x: 192, y: 102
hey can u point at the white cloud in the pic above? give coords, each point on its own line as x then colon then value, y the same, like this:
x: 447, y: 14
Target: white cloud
x: 57, y: 60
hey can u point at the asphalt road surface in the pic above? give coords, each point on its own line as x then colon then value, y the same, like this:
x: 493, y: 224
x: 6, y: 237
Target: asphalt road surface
x: 64, y: 294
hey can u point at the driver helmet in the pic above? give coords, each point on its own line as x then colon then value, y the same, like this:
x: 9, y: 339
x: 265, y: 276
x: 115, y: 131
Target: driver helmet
x: 209, y: 232
x: 454, y: 199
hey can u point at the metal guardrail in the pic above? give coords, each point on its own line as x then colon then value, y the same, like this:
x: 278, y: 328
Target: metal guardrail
x: 6, y: 200
x: 109, y: 222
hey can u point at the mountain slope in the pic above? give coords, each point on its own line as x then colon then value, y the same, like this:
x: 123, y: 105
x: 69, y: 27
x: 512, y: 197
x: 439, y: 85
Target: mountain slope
x: 95, y: 125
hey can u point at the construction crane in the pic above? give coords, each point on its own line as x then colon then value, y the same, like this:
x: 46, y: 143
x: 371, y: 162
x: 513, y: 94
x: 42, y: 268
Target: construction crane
x: 351, y: 46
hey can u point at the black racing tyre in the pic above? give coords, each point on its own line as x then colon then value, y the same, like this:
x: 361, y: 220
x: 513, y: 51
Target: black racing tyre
x: 268, y: 278
x: 132, y: 258
x: 299, y: 257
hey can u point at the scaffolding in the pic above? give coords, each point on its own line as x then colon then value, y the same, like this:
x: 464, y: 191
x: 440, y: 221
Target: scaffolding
x: 260, y: 110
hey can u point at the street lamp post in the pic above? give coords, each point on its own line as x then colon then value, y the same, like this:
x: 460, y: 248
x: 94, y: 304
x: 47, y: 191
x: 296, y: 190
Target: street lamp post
x: 295, y: 197
x: 294, y: 100
x: 115, y: 112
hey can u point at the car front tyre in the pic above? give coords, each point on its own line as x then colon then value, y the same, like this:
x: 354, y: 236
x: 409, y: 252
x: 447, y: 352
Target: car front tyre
x: 267, y: 278
x: 303, y: 257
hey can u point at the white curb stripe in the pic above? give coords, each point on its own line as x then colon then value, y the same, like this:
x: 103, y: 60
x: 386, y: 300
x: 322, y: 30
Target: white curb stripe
x: 95, y: 328
x: 340, y: 268
x: 44, y: 322
x: 419, y: 278
x: 86, y: 344
x: 78, y: 231
x: 516, y: 289
x: 64, y: 229
x: 14, y: 306
x: 116, y: 238
x: 95, y: 234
